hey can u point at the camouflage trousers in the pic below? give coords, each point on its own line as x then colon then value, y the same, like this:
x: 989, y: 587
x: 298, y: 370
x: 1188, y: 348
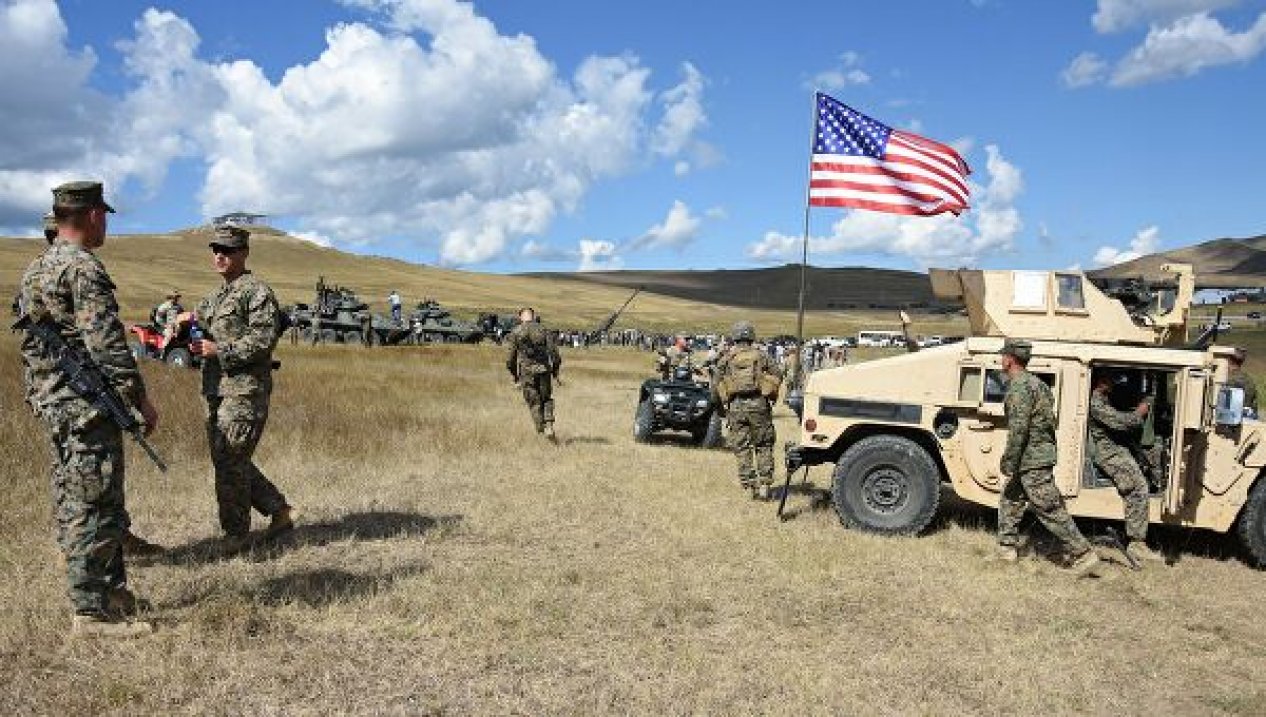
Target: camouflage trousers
x: 538, y: 392
x: 750, y: 429
x: 1036, y: 489
x: 87, y: 488
x: 1121, y: 468
x: 234, y: 427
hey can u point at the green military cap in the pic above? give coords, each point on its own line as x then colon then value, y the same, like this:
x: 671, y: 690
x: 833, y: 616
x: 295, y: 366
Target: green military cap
x: 231, y: 236
x: 80, y: 195
x: 1018, y: 348
x: 50, y: 222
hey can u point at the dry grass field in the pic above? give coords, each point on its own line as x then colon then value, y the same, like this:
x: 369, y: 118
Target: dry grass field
x: 448, y: 562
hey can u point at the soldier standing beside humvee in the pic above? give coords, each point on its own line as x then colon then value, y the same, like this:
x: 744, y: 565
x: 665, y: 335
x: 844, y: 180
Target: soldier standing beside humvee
x: 746, y: 383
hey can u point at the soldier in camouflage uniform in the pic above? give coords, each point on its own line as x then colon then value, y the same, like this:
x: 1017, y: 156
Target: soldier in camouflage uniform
x: 534, y: 363
x: 672, y: 357
x: 1111, y: 432
x: 1028, y: 462
x: 1240, y: 379
x: 743, y: 376
x: 240, y: 323
x: 68, y: 285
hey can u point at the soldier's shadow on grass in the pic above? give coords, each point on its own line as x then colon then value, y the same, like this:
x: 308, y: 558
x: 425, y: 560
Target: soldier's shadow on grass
x: 586, y: 441
x: 220, y: 606
x: 370, y: 525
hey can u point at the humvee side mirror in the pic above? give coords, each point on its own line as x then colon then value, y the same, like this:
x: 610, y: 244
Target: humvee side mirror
x: 1229, y: 410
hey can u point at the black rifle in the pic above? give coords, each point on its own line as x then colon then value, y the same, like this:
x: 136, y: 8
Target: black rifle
x: 1209, y: 335
x: 794, y: 461
x: 87, y: 380
x: 606, y: 325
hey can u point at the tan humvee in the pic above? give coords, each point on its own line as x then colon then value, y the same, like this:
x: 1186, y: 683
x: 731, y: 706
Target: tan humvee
x: 898, y: 428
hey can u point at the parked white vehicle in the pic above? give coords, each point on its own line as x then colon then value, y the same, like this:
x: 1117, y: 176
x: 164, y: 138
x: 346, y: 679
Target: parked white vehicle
x: 880, y: 339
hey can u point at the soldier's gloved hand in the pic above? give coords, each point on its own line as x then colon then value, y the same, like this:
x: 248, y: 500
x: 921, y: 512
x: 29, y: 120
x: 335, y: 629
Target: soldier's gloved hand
x: 150, y: 415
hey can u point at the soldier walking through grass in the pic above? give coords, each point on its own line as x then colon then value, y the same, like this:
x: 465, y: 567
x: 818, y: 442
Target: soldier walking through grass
x: 746, y: 383
x: 69, y: 287
x: 1111, y: 432
x: 1028, y: 462
x: 534, y: 363
x: 240, y: 326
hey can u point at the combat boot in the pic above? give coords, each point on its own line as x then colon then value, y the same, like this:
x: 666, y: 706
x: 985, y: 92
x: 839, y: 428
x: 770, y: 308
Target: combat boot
x: 138, y: 547
x: 102, y: 626
x: 1086, y: 565
x: 549, y: 432
x: 120, y: 602
x: 1140, y: 553
x: 283, y: 522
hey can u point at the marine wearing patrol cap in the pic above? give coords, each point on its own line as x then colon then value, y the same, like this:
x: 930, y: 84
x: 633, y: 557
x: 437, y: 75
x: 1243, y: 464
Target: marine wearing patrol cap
x: 231, y: 236
x: 80, y: 195
x: 1022, y: 350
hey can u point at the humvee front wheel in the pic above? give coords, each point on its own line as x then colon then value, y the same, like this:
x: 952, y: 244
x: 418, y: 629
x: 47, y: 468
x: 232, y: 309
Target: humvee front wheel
x: 1252, y: 525
x: 886, y: 484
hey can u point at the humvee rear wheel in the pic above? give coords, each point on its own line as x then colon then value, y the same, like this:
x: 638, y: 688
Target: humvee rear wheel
x: 644, y: 421
x: 1252, y: 525
x: 887, y: 485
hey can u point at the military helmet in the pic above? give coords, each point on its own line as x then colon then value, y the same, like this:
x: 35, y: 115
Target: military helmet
x: 1018, y: 348
x: 743, y: 331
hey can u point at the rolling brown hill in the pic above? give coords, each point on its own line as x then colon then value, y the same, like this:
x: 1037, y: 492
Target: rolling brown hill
x: 1220, y: 263
x: 775, y: 288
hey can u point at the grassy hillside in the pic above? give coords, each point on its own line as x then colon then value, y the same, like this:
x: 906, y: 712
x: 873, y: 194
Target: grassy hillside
x: 146, y: 266
x: 1220, y: 263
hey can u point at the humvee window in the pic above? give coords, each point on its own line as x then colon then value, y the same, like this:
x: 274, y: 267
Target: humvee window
x: 969, y: 385
x: 1069, y: 294
x: 996, y: 384
x: 1028, y: 290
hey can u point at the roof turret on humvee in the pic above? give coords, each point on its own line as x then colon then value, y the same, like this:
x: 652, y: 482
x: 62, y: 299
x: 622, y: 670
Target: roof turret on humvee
x: 897, y: 429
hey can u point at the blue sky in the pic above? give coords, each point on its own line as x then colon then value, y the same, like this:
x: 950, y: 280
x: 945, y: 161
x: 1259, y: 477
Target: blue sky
x: 522, y: 136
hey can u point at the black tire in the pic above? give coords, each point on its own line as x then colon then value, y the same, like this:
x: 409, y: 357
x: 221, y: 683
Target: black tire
x: 644, y: 421
x: 713, y: 436
x: 329, y: 336
x: 180, y: 356
x: 351, y: 337
x: 1252, y: 525
x: 887, y: 485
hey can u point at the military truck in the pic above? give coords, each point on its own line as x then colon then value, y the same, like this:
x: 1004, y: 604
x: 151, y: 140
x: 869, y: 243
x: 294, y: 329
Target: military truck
x: 429, y: 322
x: 897, y: 430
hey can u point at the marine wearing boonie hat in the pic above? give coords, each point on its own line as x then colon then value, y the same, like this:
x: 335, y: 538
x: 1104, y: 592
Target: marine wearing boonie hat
x: 80, y: 195
x: 1018, y: 348
x: 231, y: 236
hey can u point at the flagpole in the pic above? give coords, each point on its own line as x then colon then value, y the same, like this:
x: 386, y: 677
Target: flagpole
x: 804, y: 249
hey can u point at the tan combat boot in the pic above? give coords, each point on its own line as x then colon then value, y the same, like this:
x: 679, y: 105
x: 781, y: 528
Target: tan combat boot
x: 1086, y: 565
x: 1139, y: 551
x: 101, y: 626
x: 283, y: 522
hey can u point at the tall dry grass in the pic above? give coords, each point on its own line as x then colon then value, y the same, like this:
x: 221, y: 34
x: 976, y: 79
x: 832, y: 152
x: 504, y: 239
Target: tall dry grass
x: 449, y: 562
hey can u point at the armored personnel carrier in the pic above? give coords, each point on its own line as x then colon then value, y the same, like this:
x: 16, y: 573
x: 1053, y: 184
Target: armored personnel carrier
x: 336, y: 315
x: 897, y: 430
x: 430, y: 322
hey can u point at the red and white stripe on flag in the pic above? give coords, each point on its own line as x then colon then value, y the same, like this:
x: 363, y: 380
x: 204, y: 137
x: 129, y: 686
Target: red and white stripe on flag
x: 915, y: 176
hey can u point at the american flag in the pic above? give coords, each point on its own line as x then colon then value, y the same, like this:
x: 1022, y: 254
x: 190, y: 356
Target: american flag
x: 862, y: 163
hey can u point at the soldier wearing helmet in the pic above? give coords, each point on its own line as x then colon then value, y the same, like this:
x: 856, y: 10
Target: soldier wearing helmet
x: 746, y: 384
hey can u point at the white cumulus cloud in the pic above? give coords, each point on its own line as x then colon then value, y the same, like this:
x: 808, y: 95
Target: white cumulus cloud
x: 1085, y: 69
x: 991, y: 227
x: 677, y: 230
x: 425, y: 125
x: 1145, y: 242
x: 846, y: 73
x: 598, y: 255
x: 1117, y: 15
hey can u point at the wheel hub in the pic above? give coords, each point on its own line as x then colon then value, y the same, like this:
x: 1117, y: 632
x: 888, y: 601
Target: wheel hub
x: 885, y: 490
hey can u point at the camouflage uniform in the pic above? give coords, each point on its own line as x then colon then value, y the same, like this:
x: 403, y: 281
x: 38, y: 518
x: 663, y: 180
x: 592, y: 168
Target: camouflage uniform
x: 1239, y: 378
x: 1028, y: 460
x: 671, y: 358
x: 533, y: 361
x: 241, y: 317
x: 750, y: 421
x: 1110, y: 431
x: 70, y: 285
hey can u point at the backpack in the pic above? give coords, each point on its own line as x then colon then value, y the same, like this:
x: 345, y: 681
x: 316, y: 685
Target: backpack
x: 743, y: 374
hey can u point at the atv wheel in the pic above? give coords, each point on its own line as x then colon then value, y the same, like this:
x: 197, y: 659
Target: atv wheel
x: 1252, y: 525
x: 887, y: 485
x: 180, y: 357
x: 712, y: 436
x: 644, y: 422
x: 137, y: 349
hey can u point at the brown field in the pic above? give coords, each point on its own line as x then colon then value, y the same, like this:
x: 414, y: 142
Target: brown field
x: 448, y: 562
x: 146, y: 266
